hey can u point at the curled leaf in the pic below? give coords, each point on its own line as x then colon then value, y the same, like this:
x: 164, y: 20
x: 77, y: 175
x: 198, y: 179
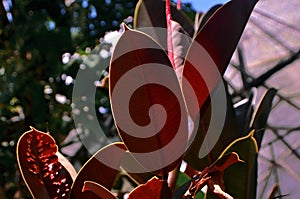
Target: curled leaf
x: 44, y: 173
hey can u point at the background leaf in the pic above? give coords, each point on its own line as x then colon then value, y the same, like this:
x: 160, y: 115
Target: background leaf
x: 45, y: 176
x: 261, y: 114
x: 244, y: 111
x: 259, y: 123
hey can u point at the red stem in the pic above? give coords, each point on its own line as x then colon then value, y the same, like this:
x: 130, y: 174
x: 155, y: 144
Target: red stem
x: 169, y: 36
x: 172, y: 178
x: 178, y: 4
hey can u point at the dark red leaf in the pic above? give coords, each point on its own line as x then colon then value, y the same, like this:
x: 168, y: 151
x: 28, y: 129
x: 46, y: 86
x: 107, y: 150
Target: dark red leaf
x: 97, y: 171
x: 146, y: 101
x: 219, y: 37
x: 200, y: 22
x: 45, y: 175
x: 153, y: 189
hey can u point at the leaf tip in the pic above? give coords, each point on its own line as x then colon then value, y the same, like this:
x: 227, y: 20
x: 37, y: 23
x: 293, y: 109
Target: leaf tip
x: 124, y: 27
x: 32, y: 128
x: 251, y: 135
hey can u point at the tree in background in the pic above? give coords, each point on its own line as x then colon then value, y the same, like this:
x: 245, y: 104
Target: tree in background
x: 35, y: 84
x: 34, y: 88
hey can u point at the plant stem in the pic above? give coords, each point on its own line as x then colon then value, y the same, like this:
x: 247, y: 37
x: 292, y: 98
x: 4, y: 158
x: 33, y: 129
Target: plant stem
x: 172, y: 179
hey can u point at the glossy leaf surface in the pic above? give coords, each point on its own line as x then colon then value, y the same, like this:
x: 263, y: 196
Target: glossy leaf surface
x: 146, y: 101
x: 45, y: 176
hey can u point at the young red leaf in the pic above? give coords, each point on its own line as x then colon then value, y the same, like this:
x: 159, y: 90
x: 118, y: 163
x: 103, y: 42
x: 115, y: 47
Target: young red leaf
x: 98, y: 190
x: 181, y: 42
x: 213, y: 177
x: 169, y: 33
x: 147, y: 103
x: 153, y: 189
x: 95, y: 170
x: 44, y: 174
x: 178, y: 4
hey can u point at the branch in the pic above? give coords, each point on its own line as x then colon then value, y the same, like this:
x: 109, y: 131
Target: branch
x: 261, y: 79
x: 242, y: 66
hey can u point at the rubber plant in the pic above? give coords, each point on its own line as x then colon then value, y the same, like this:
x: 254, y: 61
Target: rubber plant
x: 48, y: 174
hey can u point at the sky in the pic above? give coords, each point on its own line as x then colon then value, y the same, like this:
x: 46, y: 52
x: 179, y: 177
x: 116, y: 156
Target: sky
x: 203, y: 5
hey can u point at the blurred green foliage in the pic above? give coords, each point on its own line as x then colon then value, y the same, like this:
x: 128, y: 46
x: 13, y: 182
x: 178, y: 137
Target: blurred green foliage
x: 35, y: 85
